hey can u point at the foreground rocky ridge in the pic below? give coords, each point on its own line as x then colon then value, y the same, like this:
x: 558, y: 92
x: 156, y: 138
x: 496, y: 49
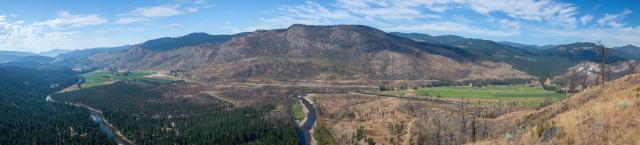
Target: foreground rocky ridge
x: 602, y: 115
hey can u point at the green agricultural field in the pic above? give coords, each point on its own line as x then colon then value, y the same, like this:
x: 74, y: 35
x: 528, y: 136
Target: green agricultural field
x: 97, y: 78
x: 489, y: 92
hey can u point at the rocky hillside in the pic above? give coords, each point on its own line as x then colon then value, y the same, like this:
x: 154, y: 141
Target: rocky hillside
x: 585, y: 74
x: 302, y: 52
x: 603, y: 115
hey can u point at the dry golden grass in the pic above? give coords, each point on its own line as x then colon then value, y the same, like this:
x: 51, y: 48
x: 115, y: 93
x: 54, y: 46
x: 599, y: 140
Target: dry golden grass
x: 372, y: 113
x: 604, y: 115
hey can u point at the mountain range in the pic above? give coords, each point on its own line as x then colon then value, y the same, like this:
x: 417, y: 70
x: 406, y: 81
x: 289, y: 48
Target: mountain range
x: 629, y: 51
x: 344, y: 52
x: 540, y: 61
x: 6, y: 56
x: 302, y: 52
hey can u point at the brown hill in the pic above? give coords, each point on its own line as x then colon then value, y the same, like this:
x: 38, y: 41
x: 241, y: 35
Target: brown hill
x: 302, y: 52
x: 603, y: 115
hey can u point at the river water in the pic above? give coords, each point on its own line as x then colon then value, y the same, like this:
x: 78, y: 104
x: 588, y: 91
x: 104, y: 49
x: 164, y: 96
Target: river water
x: 104, y: 128
x: 98, y: 118
x: 305, y: 137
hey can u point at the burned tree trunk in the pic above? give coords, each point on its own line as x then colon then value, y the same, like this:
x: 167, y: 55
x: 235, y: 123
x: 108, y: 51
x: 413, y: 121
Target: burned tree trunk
x: 602, y: 75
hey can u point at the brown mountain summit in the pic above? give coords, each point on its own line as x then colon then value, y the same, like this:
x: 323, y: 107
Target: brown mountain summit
x: 303, y: 52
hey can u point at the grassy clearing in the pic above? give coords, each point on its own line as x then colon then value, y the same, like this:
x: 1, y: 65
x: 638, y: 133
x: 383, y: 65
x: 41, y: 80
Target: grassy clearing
x: 155, y: 80
x: 98, y: 78
x: 519, y: 95
x: 323, y: 135
x: 489, y: 92
x: 298, y: 113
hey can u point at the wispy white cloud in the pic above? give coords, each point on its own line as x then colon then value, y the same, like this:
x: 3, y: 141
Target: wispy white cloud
x: 144, y: 14
x: 383, y: 9
x: 116, y: 29
x: 586, y: 19
x: 507, y: 19
x: 65, y: 19
x: 509, y: 25
x: 308, y: 13
x: 173, y: 25
x: 552, y: 12
x: 557, y: 13
x: 388, y: 15
x: 129, y: 20
x: 623, y: 35
x: 450, y: 28
x: 614, y: 20
x: 157, y: 11
x: 18, y: 36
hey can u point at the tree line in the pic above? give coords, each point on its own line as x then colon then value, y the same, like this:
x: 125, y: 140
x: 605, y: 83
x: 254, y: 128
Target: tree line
x: 27, y: 118
x: 144, y: 116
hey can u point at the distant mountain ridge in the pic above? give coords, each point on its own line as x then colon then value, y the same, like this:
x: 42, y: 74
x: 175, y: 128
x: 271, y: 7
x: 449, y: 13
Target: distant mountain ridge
x: 583, y: 51
x: 342, y: 52
x: 482, y: 48
x: 302, y: 52
x: 629, y: 51
x: 11, y: 55
x: 541, y: 61
x: 81, y: 57
x: 168, y: 43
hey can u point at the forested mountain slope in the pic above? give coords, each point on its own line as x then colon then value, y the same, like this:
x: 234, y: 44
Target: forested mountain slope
x: 541, y: 61
x: 348, y: 52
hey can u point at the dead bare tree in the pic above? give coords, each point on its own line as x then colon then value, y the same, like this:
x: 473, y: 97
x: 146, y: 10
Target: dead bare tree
x: 571, y: 83
x: 474, y: 127
x: 602, y: 75
x: 462, y: 130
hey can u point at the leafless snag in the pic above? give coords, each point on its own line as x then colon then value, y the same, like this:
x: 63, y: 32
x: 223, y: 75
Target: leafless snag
x: 571, y: 81
x: 463, y: 121
x: 602, y: 75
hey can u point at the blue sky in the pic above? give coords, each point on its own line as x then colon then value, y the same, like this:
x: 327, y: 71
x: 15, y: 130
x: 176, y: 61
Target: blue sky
x: 39, y: 25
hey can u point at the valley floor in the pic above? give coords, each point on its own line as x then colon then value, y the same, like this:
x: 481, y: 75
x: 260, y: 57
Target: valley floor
x: 361, y: 114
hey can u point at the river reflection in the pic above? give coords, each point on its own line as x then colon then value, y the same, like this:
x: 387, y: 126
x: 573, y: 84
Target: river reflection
x: 97, y: 118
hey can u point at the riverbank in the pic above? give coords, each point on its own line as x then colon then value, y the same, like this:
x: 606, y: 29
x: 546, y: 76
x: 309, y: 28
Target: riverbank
x: 120, y: 138
x: 96, y: 116
x: 309, y: 122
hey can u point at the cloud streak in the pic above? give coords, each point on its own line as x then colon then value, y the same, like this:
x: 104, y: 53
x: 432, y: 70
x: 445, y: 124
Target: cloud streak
x: 144, y: 14
x: 65, y: 19
x: 614, y: 20
x: 18, y: 36
x: 451, y: 27
x: 497, y: 19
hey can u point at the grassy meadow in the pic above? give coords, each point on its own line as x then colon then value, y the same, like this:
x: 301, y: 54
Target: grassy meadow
x: 97, y: 78
x: 488, y: 92
x: 521, y: 94
x: 298, y: 113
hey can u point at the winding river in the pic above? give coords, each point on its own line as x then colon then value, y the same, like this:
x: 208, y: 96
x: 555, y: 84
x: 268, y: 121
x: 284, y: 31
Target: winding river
x: 310, y: 121
x: 105, y: 127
